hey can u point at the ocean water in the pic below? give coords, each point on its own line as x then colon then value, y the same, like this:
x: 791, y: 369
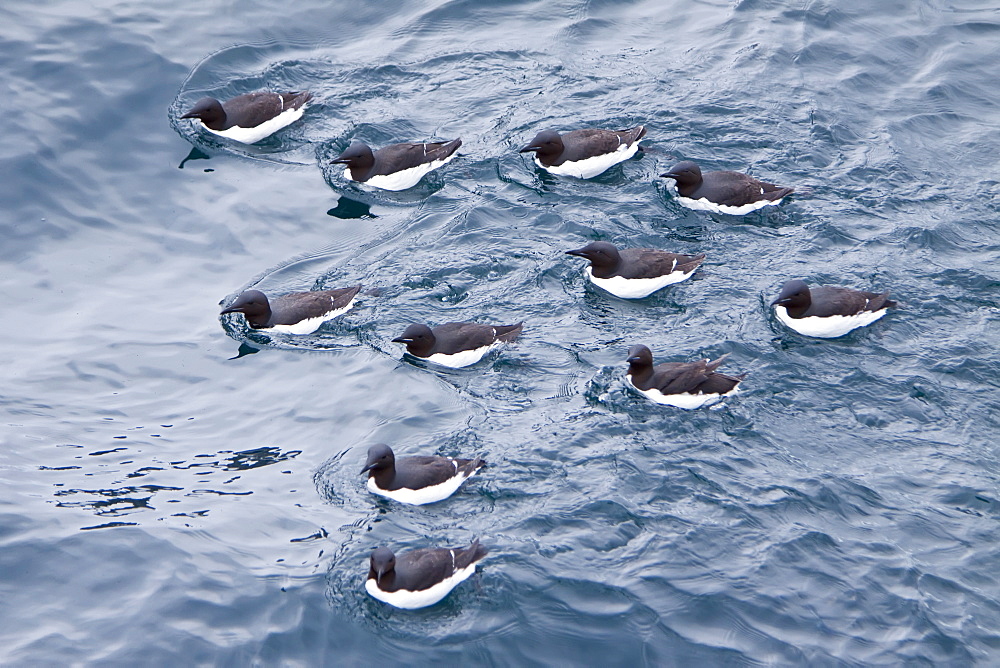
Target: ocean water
x: 178, y: 490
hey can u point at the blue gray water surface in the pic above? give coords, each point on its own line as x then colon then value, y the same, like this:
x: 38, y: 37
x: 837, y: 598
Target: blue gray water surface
x: 177, y: 490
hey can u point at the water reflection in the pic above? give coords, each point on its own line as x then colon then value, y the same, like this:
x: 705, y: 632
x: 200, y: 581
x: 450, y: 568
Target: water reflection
x: 117, y: 499
x: 195, y: 154
x: 245, y: 350
x: 348, y: 209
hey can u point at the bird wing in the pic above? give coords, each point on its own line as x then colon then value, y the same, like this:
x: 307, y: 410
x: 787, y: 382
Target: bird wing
x: 295, y: 306
x: 719, y: 383
x: 508, y: 333
x: 423, y: 471
x: 471, y: 335
x: 583, y: 144
x: 295, y: 99
x: 731, y: 188
x: 827, y: 301
x: 681, y: 377
x: 407, y: 155
x: 468, y: 555
x: 341, y: 297
x: 419, y: 569
x: 678, y: 377
x: 468, y: 466
x: 263, y: 104
x: 632, y: 135
x: 649, y: 262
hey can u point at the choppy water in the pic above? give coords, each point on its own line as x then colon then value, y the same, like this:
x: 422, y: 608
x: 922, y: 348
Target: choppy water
x: 169, y: 498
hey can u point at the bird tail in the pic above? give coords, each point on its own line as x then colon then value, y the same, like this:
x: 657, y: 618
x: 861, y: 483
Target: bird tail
x: 297, y: 98
x: 633, y: 135
x: 880, y: 302
x: 470, y: 466
x: 716, y: 363
x: 469, y: 555
x: 441, y: 150
x: 508, y: 333
x: 351, y: 292
x: 690, y: 265
x: 773, y: 193
x: 720, y: 383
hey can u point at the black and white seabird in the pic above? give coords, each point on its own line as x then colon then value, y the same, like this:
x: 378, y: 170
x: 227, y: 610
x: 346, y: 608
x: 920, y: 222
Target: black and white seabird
x: 456, y: 344
x: 633, y: 273
x: 828, y: 312
x: 294, y: 313
x: 682, y: 384
x: 583, y: 153
x: 251, y: 117
x: 397, y: 166
x: 734, y: 193
x: 419, y: 578
x: 416, y: 480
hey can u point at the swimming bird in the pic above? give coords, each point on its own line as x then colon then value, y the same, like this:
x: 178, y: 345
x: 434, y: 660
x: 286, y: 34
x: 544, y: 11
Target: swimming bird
x: 419, y: 578
x: 828, y: 312
x: 397, y: 166
x: 416, y: 480
x: 251, y: 117
x: 682, y: 384
x: 456, y: 344
x: 583, y: 153
x: 723, y: 192
x: 295, y: 312
x: 633, y: 273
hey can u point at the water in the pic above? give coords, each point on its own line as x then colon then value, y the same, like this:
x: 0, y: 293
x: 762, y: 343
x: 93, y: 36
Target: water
x: 171, y: 496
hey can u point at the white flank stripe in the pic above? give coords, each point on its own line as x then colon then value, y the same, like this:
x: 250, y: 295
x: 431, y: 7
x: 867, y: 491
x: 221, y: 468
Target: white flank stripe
x: 636, y: 288
x: 419, y: 497
x: 310, y: 325
x: 411, y: 600
x: 591, y: 167
x: 829, y: 327
x: 704, y: 205
x: 404, y: 179
x: 685, y: 400
x: 265, y: 129
x: 463, y: 358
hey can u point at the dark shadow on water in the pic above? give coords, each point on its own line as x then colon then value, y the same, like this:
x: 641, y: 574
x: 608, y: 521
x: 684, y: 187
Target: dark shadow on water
x: 195, y: 154
x: 348, y: 209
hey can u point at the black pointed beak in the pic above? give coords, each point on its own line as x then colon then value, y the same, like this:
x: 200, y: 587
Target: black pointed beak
x: 368, y: 467
x: 669, y: 175
x: 231, y: 309
x: 401, y: 339
x: 529, y: 148
x: 632, y: 360
x: 780, y: 301
x: 578, y: 252
x: 191, y: 114
x: 340, y: 161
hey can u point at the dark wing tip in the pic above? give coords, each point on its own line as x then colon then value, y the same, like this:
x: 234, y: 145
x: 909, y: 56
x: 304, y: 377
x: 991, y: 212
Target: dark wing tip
x: 778, y: 193
x: 508, y: 332
x: 477, y: 550
x: 470, y: 466
x: 716, y: 363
